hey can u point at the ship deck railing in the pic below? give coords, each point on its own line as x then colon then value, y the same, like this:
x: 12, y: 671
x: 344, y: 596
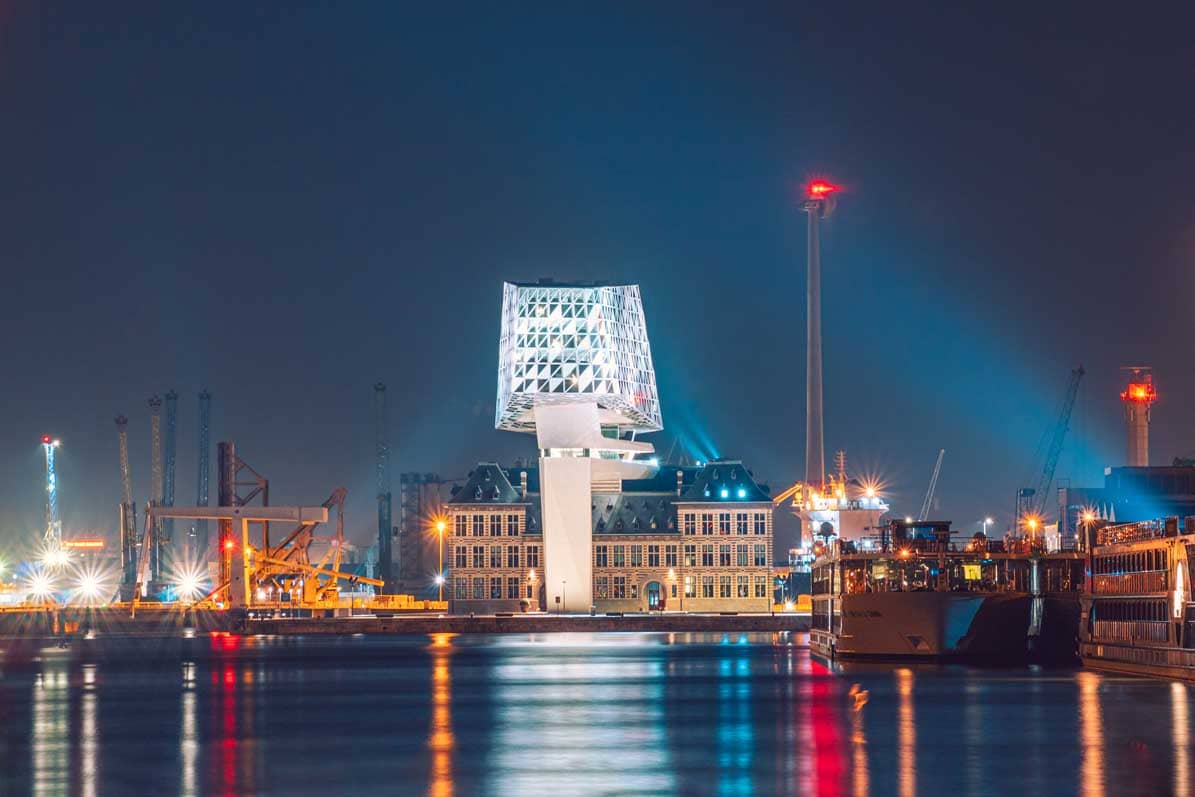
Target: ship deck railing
x: 1155, y: 656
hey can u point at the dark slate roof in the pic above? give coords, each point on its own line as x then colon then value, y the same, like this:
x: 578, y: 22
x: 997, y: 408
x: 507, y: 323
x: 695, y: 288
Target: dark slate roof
x: 725, y: 480
x: 664, y: 481
x: 487, y: 484
x: 634, y: 513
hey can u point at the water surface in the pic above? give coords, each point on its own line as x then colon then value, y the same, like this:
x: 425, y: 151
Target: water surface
x: 560, y: 714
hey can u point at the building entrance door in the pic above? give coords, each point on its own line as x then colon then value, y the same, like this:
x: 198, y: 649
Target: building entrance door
x: 654, y: 601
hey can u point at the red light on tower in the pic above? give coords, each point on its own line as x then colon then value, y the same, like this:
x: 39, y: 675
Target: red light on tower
x: 1141, y: 392
x: 819, y: 189
x: 46, y: 440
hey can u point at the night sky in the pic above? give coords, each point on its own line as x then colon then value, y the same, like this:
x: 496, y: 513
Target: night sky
x: 287, y: 206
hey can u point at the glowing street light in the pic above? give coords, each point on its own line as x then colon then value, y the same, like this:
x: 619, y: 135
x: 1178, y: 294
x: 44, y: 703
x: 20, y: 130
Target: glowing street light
x: 987, y: 521
x: 441, y: 526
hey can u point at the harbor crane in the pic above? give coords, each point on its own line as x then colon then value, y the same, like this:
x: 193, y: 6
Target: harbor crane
x: 928, y: 503
x: 1031, y: 501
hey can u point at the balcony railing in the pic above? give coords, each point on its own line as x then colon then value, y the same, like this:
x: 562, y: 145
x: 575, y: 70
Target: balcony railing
x: 1131, y: 583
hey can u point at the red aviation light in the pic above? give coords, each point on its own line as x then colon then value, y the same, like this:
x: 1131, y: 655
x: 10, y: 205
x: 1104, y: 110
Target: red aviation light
x: 819, y: 189
x: 1140, y: 392
x: 46, y: 439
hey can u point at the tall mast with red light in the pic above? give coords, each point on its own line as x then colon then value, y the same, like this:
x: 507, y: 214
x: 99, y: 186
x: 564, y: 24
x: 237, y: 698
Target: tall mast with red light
x: 1138, y: 397
x: 53, y: 534
x: 818, y: 203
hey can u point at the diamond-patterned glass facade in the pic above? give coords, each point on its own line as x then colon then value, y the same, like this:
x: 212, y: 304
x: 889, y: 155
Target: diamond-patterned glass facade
x: 563, y: 344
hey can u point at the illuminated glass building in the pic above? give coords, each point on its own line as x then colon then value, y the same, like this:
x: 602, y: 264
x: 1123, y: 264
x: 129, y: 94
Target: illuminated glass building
x: 574, y: 368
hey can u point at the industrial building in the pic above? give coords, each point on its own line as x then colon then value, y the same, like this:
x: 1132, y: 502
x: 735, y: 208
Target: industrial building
x: 682, y: 539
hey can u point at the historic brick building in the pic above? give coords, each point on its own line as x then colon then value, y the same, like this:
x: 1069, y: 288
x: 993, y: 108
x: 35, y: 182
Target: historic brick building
x: 686, y: 539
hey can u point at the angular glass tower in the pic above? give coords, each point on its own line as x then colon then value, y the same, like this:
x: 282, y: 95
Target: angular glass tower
x: 574, y: 367
x: 575, y: 344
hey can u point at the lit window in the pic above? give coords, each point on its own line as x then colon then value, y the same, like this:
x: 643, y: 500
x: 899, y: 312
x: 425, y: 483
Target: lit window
x: 620, y: 587
x: 743, y: 586
x: 690, y: 587
x: 707, y: 523
x: 601, y: 588
x: 690, y: 556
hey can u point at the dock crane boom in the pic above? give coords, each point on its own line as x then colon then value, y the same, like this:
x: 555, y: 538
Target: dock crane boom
x: 933, y: 484
x: 1046, y: 480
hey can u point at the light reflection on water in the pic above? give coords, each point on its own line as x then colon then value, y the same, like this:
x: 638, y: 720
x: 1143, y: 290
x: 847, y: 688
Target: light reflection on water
x: 562, y: 714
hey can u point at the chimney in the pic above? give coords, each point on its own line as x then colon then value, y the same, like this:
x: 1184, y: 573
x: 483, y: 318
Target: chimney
x: 523, y: 483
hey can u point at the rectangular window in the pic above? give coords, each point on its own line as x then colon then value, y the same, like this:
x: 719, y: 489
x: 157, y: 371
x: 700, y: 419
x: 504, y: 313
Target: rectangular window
x: 761, y: 523
x: 723, y: 586
x: 495, y: 588
x: 707, y: 523
x: 512, y: 525
x: 620, y: 556
x: 690, y: 556
x: 740, y: 523
x: 669, y: 556
x: 461, y: 588
x: 533, y: 556
x: 531, y: 592
x: 636, y: 556
x: 495, y: 556
x: 743, y: 555
x: 761, y: 556
x: 724, y: 556
x: 707, y: 586
x: 478, y: 556
x: 495, y: 525
x: 761, y: 586
x: 723, y: 522
x: 690, y: 587
x: 479, y: 525
x: 707, y: 556
x: 674, y: 590
x: 601, y: 589
x: 690, y: 523
x: 634, y: 591
x: 653, y: 556
x: 461, y: 525
x: 478, y: 589
x: 512, y: 587
x: 601, y: 556
x: 743, y: 586
x: 462, y: 556
x: 620, y: 587
x: 512, y: 556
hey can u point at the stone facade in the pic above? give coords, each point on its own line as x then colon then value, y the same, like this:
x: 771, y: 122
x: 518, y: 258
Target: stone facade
x: 705, y: 545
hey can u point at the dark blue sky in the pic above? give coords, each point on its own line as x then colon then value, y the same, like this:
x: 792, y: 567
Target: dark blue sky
x: 286, y: 206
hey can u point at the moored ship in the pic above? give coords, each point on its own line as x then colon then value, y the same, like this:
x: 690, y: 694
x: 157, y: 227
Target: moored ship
x: 1138, y: 614
x: 912, y: 593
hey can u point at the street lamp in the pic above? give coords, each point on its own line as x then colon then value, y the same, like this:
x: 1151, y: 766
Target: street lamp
x: 987, y: 521
x: 440, y: 526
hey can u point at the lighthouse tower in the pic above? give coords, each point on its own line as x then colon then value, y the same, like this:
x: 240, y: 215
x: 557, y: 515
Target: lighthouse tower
x: 1138, y: 397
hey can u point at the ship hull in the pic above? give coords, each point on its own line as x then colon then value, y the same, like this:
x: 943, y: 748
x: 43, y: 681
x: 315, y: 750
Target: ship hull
x: 987, y: 627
